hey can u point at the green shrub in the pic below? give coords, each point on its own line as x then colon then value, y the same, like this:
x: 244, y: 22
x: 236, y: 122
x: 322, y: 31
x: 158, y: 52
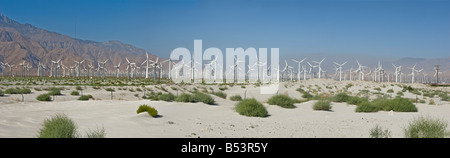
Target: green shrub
x: 324, y: 105
x: 354, y: 100
x: 167, y: 97
x: 377, y: 89
x: 17, y: 91
x: 83, y: 97
x: 390, y: 91
x: 185, y: 97
x: 109, y: 89
x: 379, y: 132
x: 398, y: 104
x: 399, y: 93
x: 422, y: 101
x: 2, y: 93
x: 431, y: 102
x: 426, y: 127
x: 221, y: 94
x: 367, y: 107
x: 44, y: 97
x: 150, y: 110
x: 205, y: 98
x: 236, y: 98
x: 99, y: 133
x: 306, y: 95
x: 58, y: 126
x: 348, y: 85
x: 55, y: 91
x: 74, y: 93
x: 282, y: 101
x: 78, y: 88
x: 251, y: 107
x: 341, y: 97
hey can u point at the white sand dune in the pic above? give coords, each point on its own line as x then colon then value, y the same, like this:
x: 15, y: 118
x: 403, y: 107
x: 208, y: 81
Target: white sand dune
x: 118, y: 117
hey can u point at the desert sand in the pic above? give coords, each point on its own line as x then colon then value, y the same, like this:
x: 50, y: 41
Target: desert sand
x: 118, y: 116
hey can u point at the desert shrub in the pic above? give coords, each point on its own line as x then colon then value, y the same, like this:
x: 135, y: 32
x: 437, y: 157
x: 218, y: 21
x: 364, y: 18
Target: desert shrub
x: 167, y: 97
x: 422, y: 101
x: 89, y: 96
x: 377, y: 89
x: 139, y: 89
x: 354, y: 100
x: 44, y: 97
x: 37, y: 89
x: 74, y: 93
x: 324, y: 105
x: 99, y: 133
x: 251, y: 107
x: 431, y: 102
x: 236, y: 98
x: 17, y: 91
x: 367, y: 107
x: 399, y: 93
x: 109, y: 89
x: 221, y: 94
x: 390, y: 91
x: 341, y: 97
x: 83, y: 98
x: 379, y: 132
x: 58, y: 126
x: 398, y: 104
x: 185, y: 97
x: 2, y: 93
x: 282, y: 101
x: 205, y: 98
x: 223, y: 88
x: 306, y: 95
x: 426, y: 127
x: 150, y: 110
x: 55, y: 91
x: 348, y: 85
x: 78, y: 88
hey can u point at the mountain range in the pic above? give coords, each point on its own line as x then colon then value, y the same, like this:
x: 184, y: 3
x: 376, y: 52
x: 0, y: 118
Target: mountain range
x: 25, y: 42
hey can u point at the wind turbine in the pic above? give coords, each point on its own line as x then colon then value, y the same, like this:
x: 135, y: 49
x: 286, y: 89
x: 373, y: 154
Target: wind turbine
x: 340, y: 69
x: 22, y: 65
x: 397, y: 72
x: 102, y: 65
x: 78, y: 66
x: 147, y: 60
x: 298, y: 71
x: 360, y: 70
x: 128, y: 68
x: 118, y: 70
x: 412, y: 72
x: 319, y: 64
x: 3, y: 65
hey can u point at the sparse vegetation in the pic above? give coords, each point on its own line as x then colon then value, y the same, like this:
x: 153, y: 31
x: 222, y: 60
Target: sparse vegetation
x: 282, y: 101
x: 196, y: 97
x: 379, y: 132
x: 83, y: 98
x: 150, y: 110
x: 341, y: 97
x: 76, y: 93
x: 221, y: 94
x: 426, y: 127
x: 44, y: 97
x: 58, y: 126
x: 390, y: 91
x: 2, y: 93
x: 324, y: 105
x: 251, y: 107
x: 366, y: 107
x: 236, y: 98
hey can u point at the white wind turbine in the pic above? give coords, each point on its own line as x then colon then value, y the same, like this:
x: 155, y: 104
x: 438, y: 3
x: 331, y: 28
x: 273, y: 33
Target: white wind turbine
x: 413, y: 69
x: 118, y: 70
x: 298, y: 71
x: 147, y: 60
x: 102, y: 65
x: 360, y: 70
x: 319, y: 65
x: 340, y: 69
x: 128, y: 68
x: 397, y: 72
x: 379, y: 72
x: 3, y: 65
x: 78, y: 66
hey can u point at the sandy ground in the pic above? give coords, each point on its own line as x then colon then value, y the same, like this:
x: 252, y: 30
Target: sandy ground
x: 118, y: 116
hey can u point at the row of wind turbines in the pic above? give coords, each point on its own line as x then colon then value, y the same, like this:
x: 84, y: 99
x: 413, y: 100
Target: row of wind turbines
x: 213, y: 70
x: 377, y: 74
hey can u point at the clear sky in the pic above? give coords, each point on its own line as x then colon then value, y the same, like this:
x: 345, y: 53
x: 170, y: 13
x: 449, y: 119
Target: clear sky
x: 397, y: 28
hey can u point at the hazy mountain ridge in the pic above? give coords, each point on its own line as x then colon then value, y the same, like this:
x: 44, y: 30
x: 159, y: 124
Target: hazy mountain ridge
x: 24, y: 42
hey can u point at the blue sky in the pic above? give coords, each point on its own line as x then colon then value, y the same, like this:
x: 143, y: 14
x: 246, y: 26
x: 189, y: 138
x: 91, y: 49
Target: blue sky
x: 398, y: 28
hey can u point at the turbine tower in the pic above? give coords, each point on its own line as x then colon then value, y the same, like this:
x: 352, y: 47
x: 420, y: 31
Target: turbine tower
x: 299, y: 66
x: 397, y: 72
x: 78, y: 66
x: 340, y: 69
x: 118, y: 71
x: 319, y: 64
x: 412, y: 72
